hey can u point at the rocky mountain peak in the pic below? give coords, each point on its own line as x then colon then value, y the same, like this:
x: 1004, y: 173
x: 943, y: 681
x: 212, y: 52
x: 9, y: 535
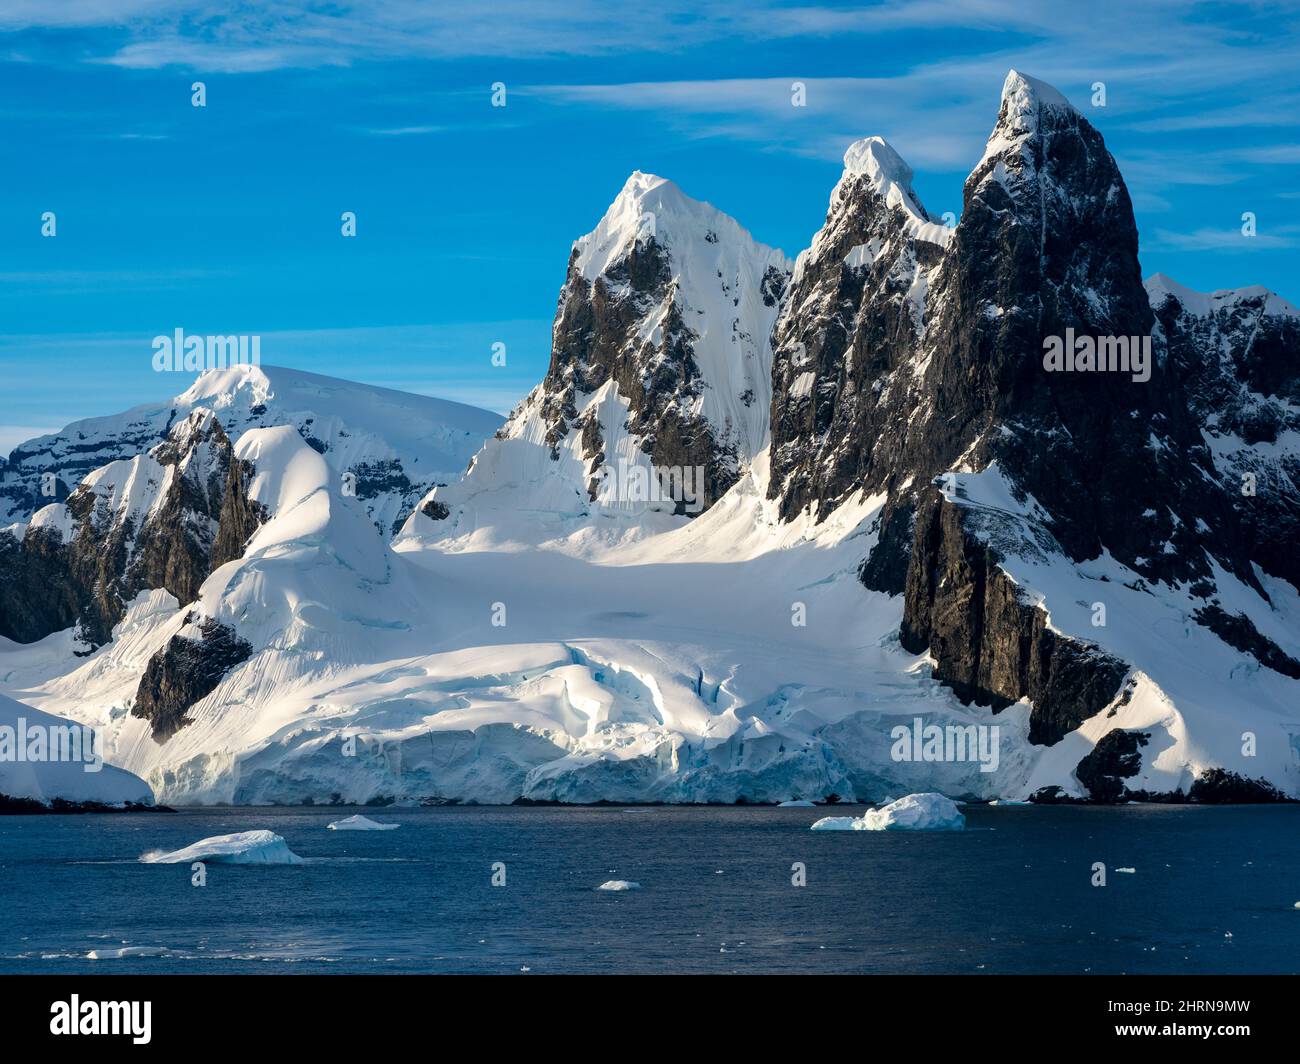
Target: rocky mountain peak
x: 851, y: 321
x: 660, y: 373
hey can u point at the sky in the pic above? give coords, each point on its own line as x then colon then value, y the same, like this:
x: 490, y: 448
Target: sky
x: 226, y: 218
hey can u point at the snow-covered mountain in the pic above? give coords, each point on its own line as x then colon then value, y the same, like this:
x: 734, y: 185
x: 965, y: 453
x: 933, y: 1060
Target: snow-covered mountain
x: 656, y: 400
x: 396, y: 445
x: 906, y: 518
x: 154, y: 498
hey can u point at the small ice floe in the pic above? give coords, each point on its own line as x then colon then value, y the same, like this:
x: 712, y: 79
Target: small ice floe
x: 1007, y: 801
x: 1297, y: 905
x: 798, y: 803
x: 916, y: 812
x: 361, y: 823
x: 619, y: 884
x: 244, y: 847
x: 128, y: 951
x: 1127, y: 871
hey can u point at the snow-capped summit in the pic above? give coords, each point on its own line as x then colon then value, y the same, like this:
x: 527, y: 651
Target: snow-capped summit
x: 1160, y: 287
x: 651, y: 207
x: 1025, y: 95
x: 852, y: 317
x: 874, y: 160
x: 657, y: 396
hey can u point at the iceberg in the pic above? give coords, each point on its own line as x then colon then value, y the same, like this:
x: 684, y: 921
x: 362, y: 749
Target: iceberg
x: 243, y: 847
x: 619, y: 884
x: 916, y: 812
x: 797, y: 804
x: 361, y: 823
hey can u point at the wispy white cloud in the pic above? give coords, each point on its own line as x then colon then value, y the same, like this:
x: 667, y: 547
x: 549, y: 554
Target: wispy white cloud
x: 1209, y: 239
x: 407, y: 131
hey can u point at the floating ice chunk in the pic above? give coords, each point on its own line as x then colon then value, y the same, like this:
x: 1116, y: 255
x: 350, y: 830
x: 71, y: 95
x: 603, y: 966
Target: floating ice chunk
x: 1007, y: 801
x: 361, y: 823
x: 243, y: 847
x: 619, y: 884
x: 799, y: 804
x: 1130, y: 871
x: 916, y: 812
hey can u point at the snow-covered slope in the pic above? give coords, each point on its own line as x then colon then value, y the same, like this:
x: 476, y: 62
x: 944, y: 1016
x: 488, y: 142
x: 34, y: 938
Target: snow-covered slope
x: 673, y: 668
x: 656, y: 400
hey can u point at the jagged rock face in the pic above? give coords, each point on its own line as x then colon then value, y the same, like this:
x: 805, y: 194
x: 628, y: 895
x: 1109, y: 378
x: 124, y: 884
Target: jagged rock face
x: 46, y: 470
x: 1239, y: 631
x: 174, y: 547
x: 1115, y: 758
x: 1047, y: 243
x: 847, y: 335
x: 669, y: 302
x: 240, y: 515
x: 597, y: 339
x: 150, y: 522
x: 36, y: 595
x: 186, y: 670
x: 1235, y: 357
x: 1148, y: 471
x: 989, y: 645
x: 164, y: 519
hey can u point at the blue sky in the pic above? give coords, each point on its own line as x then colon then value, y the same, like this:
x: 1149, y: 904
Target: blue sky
x: 226, y: 218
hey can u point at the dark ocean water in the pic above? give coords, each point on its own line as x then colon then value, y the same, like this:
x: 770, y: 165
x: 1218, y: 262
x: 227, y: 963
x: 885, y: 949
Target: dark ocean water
x: 1213, y: 890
